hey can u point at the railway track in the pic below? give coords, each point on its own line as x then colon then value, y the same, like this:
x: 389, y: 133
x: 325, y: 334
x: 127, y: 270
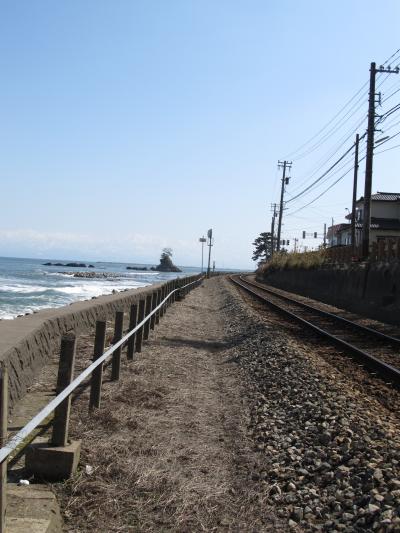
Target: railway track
x: 375, y: 350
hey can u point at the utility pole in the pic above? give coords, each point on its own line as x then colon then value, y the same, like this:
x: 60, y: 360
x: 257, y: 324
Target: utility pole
x: 209, y: 244
x: 273, y: 230
x: 285, y: 165
x: 370, y: 155
x: 353, y: 210
x: 325, y: 235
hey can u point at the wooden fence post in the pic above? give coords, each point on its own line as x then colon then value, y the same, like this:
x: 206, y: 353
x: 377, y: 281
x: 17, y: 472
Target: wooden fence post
x: 139, y: 334
x: 132, y: 325
x: 97, y: 374
x: 66, y: 365
x: 174, y: 286
x: 3, y: 440
x: 391, y: 253
x: 116, y: 358
x: 397, y: 248
x: 381, y: 249
x: 162, y: 298
x: 166, y: 293
x: 146, y: 329
x: 153, y: 306
x: 158, y: 303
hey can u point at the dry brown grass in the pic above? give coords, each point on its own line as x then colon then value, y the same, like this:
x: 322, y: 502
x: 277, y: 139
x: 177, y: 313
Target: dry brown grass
x: 168, y: 448
x: 293, y: 260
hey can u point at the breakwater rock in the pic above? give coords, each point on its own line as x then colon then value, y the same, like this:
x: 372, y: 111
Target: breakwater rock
x: 93, y: 275
x: 70, y: 265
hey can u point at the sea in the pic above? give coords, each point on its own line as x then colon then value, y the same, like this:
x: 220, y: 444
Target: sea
x: 28, y: 285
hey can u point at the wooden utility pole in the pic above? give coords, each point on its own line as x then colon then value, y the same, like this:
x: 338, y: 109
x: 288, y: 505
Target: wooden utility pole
x: 284, y: 165
x: 368, y: 163
x: 370, y: 155
x: 353, y: 209
x: 273, y: 231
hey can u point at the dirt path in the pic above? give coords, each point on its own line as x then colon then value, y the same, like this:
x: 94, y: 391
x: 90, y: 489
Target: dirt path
x: 169, y: 449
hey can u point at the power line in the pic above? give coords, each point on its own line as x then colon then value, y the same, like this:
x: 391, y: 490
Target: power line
x: 324, y: 174
x: 330, y: 121
x: 389, y: 58
x: 381, y: 119
x: 329, y: 176
x: 387, y: 149
x: 321, y: 164
x: 325, y: 191
x: 335, y: 128
x: 390, y: 95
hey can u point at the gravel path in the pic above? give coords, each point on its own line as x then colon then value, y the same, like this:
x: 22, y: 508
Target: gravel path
x: 226, y: 422
x: 169, y: 450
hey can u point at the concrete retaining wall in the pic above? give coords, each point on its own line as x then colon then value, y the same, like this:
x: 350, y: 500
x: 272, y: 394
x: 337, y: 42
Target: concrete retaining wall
x: 27, y: 342
x: 369, y: 289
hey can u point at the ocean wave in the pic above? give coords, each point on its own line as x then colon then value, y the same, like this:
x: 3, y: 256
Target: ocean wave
x: 23, y: 289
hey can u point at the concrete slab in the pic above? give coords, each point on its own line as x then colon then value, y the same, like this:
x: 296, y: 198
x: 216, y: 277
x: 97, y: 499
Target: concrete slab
x: 33, y: 509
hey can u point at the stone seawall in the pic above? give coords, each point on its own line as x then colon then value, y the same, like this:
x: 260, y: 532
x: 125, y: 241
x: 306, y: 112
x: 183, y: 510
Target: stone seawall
x: 27, y: 342
x: 368, y: 289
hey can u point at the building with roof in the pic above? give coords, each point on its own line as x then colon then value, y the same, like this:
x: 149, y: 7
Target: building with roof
x: 385, y: 220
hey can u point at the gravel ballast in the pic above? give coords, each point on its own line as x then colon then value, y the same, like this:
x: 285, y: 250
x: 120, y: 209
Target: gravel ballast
x: 330, y: 453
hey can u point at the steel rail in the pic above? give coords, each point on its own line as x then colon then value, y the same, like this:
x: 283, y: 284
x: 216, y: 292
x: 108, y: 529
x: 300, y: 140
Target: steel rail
x: 346, y: 321
x: 385, y: 370
x: 17, y: 439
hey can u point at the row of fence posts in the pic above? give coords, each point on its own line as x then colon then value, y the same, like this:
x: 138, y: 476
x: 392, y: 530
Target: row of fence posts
x: 138, y: 311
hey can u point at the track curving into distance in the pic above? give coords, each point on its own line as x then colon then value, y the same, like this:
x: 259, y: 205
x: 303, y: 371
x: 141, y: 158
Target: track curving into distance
x: 377, y: 351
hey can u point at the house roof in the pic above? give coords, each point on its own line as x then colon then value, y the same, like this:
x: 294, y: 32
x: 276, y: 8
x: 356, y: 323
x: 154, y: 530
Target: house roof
x: 383, y: 197
x: 337, y: 227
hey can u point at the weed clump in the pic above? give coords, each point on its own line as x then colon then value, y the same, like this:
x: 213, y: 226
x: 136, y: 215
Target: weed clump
x: 293, y: 260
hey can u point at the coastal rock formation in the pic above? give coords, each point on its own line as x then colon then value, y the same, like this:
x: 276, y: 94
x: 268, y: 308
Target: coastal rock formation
x: 166, y: 264
x: 140, y: 269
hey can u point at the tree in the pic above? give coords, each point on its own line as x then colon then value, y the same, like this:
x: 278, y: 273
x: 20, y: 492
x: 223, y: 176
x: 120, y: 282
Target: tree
x: 262, y: 247
x: 166, y: 252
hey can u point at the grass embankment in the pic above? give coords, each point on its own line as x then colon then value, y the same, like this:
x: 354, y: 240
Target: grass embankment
x: 293, y: 260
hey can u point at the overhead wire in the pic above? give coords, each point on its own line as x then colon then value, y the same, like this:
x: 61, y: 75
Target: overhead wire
x: 328, y: 123
x: 335, y: 128
x: 326, y: 172
x: 387, y: 149
x: 394, y: 57
x: 332, y: 170
x: 321, y: 163
x: 325, y: 191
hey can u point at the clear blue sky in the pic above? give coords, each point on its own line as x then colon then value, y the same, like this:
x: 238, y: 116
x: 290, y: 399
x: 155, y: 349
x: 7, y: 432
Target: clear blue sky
x: 128, y: 125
